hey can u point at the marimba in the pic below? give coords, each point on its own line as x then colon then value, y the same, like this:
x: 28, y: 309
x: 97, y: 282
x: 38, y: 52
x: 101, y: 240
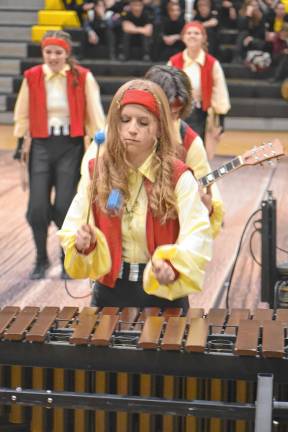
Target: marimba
x: 126, y: 370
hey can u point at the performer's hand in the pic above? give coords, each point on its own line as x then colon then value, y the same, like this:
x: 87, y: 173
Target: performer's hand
x: 163, y: 272
x: 85, y: 238
x: 26, y: 148
x: 206, y: 197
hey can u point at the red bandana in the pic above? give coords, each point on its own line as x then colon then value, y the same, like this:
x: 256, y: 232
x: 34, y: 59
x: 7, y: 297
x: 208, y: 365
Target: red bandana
x: 56, y: 41
x: 196, y: 24
x: 141, y: 97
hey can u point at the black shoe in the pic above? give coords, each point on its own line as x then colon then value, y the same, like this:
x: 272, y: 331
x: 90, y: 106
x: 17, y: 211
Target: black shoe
x: 39, y: 270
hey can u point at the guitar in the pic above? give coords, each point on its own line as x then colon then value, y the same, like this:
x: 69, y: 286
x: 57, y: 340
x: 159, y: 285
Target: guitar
x: 255, y: 156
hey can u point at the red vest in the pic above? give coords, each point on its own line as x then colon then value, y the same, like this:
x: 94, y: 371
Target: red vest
x: 206, y: 76
x: 38, y: 117
x: 187, y: 134
x: 157, y: 234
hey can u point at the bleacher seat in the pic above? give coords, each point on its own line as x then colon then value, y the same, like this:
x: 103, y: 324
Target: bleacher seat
x: 58, y: 4
x: 54, y: 17
x: 54, y: 5
x: 63, y: 18
x: 37, y: 32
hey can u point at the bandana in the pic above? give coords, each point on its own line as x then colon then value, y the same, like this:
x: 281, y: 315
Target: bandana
x: 56, y: 41
x: 141, y: 97
x: 196, y: 24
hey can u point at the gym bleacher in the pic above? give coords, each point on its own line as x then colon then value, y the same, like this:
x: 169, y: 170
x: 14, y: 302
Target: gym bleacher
x: 256, y: 102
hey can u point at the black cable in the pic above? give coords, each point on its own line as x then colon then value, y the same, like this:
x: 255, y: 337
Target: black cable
x: 229, y: 282
x: 76, y: 297
x: 251, y: 250
x: 282, y: 250
x: 259, y: 227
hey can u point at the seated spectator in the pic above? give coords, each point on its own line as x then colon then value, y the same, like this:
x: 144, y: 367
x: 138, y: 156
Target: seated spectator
x: 209, y: 18
x: 80, y: 9
x: 114, y: 11
x: 170, y: 31
x: 275, y: 22
x: 228, y: 13
x: 268, y: 9
x: 164, y: 4
x: 152, y: 8
x: 137, y: 30
x: 252, y: 30
x: 97, y: 29
x: 280, y: 54
x: 277, y: 19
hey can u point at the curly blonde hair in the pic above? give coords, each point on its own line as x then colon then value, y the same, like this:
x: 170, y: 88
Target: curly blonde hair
x: 114, y: 166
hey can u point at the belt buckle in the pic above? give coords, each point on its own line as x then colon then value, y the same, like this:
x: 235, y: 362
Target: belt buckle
x: 133, y: 273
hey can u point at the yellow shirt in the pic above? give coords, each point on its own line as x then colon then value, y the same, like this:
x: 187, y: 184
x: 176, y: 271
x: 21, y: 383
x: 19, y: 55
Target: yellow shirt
x: 189, y: 255
x: 57, y: 104
x: 196, y: 159
x: 285, y: 2
x: 278, y: 24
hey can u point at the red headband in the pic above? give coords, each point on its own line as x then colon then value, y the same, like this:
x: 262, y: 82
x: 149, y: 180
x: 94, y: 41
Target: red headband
x: 196, y: 24
x: 141, y: 97
x: 56, y: 41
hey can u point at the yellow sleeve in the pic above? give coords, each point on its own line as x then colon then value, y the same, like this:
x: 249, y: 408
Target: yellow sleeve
x: 79, y: 266
x: 21, y: 112
x: 197, y: 160
x: 193, y: 249
x: 220, y: 100
x: 95, y: 117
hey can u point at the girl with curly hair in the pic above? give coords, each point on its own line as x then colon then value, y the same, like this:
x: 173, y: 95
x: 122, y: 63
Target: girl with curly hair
x: 151, y: 249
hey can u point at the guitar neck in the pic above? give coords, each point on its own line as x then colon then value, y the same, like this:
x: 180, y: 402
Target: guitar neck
x: 220, y: 172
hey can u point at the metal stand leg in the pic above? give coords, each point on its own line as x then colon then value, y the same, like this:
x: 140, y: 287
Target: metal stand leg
x: 268, y: 253
x: 264, y: 403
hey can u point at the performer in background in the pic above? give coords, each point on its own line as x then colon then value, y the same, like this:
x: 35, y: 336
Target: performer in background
x: 207, y: 79
x: 177, y: 88
x: 151, y: 250
x: 58, y: 104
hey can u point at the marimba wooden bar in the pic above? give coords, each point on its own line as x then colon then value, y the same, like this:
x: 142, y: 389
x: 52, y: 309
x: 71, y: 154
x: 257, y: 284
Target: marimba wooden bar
x: 143, y: 357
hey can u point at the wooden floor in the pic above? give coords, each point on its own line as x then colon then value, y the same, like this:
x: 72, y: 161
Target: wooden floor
x: 242, y: 192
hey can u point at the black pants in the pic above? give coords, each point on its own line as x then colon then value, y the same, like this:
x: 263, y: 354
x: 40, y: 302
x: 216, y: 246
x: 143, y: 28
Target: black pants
x: 54, y: 164
x: 197, y: 121
x: 131, y: 294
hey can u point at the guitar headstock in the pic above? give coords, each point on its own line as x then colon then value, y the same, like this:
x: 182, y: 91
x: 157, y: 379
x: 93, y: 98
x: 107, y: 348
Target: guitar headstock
x: 265, y: 152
